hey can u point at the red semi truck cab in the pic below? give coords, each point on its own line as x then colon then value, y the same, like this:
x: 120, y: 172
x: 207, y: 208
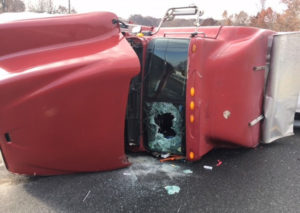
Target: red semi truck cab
x: 195, y: 90
x: 77, y: 91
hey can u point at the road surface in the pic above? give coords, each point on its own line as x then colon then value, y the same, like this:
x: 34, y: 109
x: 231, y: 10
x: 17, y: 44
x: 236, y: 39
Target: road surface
x: 264, y: 179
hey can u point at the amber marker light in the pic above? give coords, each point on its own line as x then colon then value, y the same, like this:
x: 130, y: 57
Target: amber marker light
x: 192, y: 155
x: 192, y: 118
x: 194, y: 48
x: 192, y: 105
x: 192, y: 91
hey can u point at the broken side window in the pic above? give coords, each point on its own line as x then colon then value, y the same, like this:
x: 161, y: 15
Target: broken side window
x: 165, y: 127
x: 164, y: 95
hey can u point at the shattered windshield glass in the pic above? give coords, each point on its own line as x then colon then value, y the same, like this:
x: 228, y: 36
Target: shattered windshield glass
x: 164, y: 97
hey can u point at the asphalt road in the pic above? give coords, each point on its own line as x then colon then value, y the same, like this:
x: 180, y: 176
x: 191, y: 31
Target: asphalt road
x: 265, y: 179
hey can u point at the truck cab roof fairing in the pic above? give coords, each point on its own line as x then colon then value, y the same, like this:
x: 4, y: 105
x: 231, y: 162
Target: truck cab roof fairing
x: 63, y: 100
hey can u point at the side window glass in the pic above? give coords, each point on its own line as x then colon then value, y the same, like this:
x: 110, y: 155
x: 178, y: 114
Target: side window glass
x: 167, y: 69
x: 176, y: 58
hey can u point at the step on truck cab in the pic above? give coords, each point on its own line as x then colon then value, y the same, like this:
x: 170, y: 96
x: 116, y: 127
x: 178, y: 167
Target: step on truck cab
x: 77, y: 91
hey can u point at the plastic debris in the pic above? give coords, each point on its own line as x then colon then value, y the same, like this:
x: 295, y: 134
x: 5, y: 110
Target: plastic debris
x: 86, y: 196
x: 219, y: 163
x: 175, y: 157
x: 127, y: 174
x: 165, y: 155
x: 172, y: 189
x: 164, y: 127
x: 187, y: 171
x: 208, y: 167
x: 156, y: 154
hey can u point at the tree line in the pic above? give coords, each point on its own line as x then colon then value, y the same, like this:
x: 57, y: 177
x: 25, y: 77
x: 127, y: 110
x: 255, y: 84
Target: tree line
x: 267, y: 18
x: 40, y: 6
x: 288, y: 20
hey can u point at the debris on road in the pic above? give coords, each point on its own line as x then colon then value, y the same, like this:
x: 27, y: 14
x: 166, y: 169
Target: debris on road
x: 187, y: 171
x: 86, y: 196
x: 175, y: 157
x: 165, y: 155
x: 219, y: 163
x: 126, y: 173
x: 208, y: 167
x: 172, y: 189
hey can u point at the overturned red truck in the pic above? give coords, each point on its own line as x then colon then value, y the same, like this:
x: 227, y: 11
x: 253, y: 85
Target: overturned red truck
x: 77, y: 91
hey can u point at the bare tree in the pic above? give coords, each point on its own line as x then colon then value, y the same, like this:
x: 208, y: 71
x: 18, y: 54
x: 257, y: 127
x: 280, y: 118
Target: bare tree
x: 227, y: 19
x: 241, y: 19
x: 42, y: 6
x: 63, y: 10
x: 12, y: 6
x: 47, y: 6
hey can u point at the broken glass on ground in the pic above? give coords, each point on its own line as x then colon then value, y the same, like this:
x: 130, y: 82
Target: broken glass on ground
x: 172, y: 189
x: 164, y: 124
x: 187, y: 171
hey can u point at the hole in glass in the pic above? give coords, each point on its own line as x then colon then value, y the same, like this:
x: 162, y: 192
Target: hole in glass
x: 165, y: 123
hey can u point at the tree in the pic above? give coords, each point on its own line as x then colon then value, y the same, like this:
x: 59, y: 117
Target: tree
x: 12, y: 6
x: 47, y: 6
x: 63, y: 10
x: 292, y: 5
x: 147, y: 21
x: 238, y: 19
x: 210, y: 22
x: 227, y: 20
x: 42, y: 6
x: 290, y: 19
x: 266, y: 19
x: 241, y: 19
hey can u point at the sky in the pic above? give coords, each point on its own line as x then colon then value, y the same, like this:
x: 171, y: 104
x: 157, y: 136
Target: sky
x: 157, y: 8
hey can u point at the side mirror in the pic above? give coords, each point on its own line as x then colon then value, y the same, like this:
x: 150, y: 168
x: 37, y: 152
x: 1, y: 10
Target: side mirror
x: 185, y: 11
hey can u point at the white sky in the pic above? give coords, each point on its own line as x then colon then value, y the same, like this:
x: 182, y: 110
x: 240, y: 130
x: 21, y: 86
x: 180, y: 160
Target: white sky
x: 157, y: 8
